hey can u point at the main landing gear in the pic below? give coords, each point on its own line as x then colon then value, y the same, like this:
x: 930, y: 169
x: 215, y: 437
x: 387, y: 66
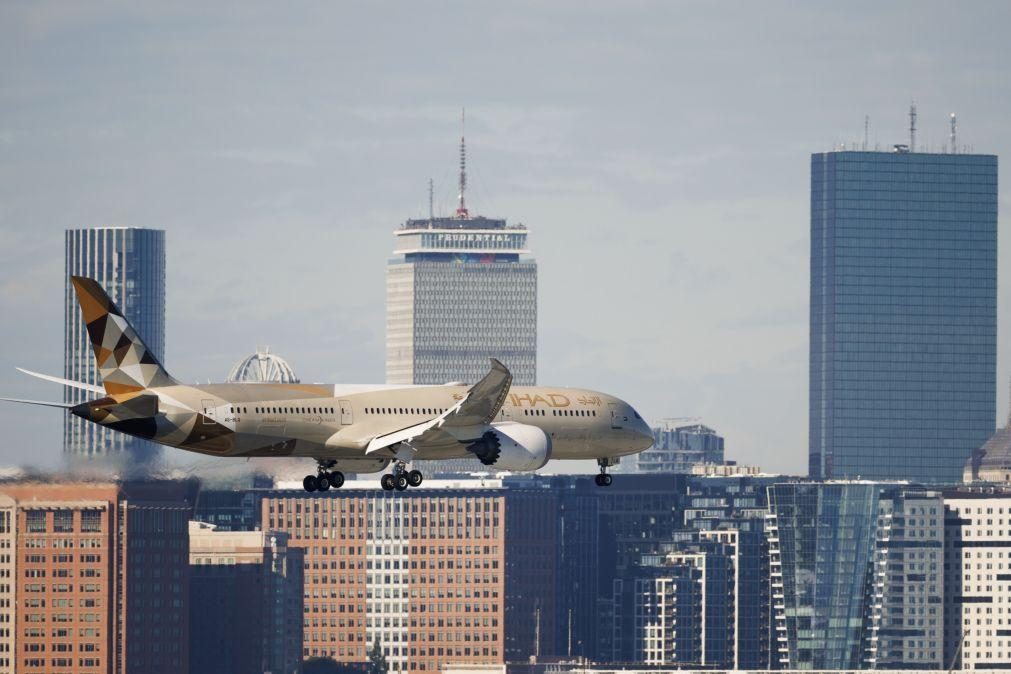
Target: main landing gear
x: 325, y: 477
x: 604, y: 479
x: 400, y: 479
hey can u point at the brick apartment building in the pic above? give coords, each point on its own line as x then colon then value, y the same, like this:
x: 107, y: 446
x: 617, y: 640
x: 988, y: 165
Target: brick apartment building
x: 93, y: 577
x: 438, y: 575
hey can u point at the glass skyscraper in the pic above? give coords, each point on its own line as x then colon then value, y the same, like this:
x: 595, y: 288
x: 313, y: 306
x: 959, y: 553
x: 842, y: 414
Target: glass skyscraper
x: 129, y: 262
x: 903, y: 319
x: 821, y: 539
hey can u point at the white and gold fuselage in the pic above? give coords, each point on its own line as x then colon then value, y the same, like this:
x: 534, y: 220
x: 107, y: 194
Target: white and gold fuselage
x: 338, y: 422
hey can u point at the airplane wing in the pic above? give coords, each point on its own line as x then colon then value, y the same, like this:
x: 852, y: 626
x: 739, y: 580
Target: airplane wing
x: 65, y: 382
x: 479, y: 406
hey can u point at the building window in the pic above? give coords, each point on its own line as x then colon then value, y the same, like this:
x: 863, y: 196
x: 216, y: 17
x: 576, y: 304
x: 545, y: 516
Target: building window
x: 63, y: 521
x: 36, y: 520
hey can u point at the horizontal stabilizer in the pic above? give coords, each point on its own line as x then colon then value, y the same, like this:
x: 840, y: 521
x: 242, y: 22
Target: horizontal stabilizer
x: 66, y: 382
x: 66, y: 406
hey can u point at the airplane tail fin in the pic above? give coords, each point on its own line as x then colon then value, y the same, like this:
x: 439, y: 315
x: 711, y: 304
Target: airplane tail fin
x: 125, y: 363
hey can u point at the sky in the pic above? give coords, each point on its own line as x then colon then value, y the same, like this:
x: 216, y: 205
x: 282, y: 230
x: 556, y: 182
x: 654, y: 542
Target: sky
x: 659, y: 153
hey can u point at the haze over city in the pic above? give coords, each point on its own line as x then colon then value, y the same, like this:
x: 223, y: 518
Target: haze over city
x: 659, y: 154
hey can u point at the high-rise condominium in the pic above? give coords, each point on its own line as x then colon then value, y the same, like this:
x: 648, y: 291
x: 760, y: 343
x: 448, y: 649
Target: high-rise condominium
x: 129, y: 262
x: 903, y: 313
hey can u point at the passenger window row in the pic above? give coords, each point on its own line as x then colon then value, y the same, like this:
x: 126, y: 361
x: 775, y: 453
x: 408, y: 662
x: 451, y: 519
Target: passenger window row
x: 291, y: 410
x: 575, y: 413
x: 534, y: 413
x: 404, y: 410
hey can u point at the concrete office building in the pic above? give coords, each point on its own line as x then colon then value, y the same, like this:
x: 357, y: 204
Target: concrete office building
x: 977, y: 548
x: 245, y: 602
x: 93, y: 577
x: 906, y: 614
x: 458, y: 291
x: 903, y: 347
x: 129, y: 262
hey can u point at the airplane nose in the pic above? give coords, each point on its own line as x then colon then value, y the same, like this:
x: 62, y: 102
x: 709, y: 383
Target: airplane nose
x: 643, y: 435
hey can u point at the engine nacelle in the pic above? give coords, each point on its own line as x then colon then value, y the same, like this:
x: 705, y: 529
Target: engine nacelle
x: 512, y: 446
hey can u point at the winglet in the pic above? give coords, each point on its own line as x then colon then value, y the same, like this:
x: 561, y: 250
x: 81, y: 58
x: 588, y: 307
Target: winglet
x: 479, y: 406
x: 485, y: 398
x: 125, y: 363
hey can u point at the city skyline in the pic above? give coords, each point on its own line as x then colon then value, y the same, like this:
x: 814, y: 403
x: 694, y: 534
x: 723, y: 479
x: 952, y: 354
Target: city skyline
x: 694, y: 172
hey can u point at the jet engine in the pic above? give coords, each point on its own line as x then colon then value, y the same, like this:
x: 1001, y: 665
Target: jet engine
x: 512, y: 446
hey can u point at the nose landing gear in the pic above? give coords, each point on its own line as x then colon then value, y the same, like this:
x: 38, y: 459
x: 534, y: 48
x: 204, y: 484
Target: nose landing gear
x: 400, y: 479
x: 325, y: 477
x: 604, y: 479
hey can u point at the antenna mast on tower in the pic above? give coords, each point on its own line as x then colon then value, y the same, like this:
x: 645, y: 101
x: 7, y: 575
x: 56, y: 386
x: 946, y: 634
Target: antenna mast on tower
x: 431, y: 202
x: 912, y: 127
x: 867, y: 124
x: 954, y: 148
x: 461, y: 210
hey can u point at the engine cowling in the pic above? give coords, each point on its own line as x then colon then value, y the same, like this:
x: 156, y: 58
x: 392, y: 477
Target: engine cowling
x: 512, y: 446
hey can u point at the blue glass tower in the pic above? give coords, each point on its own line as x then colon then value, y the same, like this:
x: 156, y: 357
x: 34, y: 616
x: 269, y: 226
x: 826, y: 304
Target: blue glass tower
x: 903, y: 313
x: 129, y: 262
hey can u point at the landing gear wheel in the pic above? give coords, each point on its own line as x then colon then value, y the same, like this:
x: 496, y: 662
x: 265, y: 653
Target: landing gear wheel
x: 415, y: 478
x: 387, y: 481
x: 400, y: 482
x: 603, y: 479
x: 309, y: 483
x: 336, y: 479
x: 322, y: 482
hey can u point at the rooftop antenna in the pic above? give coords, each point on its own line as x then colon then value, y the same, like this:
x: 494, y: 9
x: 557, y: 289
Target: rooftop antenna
x: 867, y: 124
x: 954, y: 148
x: 431, y: 202
x: 461, y: 210
x: 912, y: 127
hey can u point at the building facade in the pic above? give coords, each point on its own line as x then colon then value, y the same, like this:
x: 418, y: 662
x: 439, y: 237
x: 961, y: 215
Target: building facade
x: 245, y: 602
x: 93, y: 577
x: 822, y: 541
x: 436, y: 574
x: 685, y: 605
x: 129, y: 262
x: 458, y: 292
x: 903, y: 314
x: 679, y: 448
x: 906, y: 614
x: 977, y: 549
x: 857, y: 580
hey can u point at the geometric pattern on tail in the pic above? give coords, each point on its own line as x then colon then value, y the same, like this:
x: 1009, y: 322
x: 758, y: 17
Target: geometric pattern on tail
x: 124, y: 362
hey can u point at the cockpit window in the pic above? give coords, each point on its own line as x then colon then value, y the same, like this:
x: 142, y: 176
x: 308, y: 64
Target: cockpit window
x: 636, y: 414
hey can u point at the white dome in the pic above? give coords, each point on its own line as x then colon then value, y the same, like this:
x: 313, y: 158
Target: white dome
x: 263, y: 366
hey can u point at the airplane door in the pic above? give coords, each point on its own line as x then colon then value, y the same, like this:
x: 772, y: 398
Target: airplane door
x: 209, y: 413
x: 615, y: 418
x: 346, y: 418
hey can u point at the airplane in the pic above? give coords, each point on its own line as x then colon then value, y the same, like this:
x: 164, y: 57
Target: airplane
x: 353, y: 428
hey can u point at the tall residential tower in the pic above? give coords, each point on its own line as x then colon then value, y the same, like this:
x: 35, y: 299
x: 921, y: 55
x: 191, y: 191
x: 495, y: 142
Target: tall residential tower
x: 129, y: 262
x: 903, y: 313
